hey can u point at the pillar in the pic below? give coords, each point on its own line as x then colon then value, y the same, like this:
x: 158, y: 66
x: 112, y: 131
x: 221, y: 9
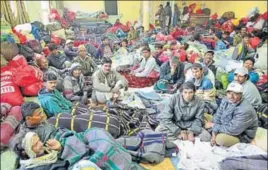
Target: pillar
x: 146, y: 16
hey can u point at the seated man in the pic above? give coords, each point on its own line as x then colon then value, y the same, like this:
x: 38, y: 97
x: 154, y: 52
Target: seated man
x: 74, y: 85
x: 43, y: 65
x: 172, y: 73
x: 235, y: 120
x: 105, y: 49
x: 248, y: 64
x: 69, y: 50
x: 50, y: 98
x: 183, y: 117
x: 57, y: 59
x: 228, y: 41
x: 204, y: 87
x: 107, y: 83
x: 148, y: 65
x: 88, y: 66
x: 208, y: 61
x: 158, y: 54
x: 238, y: 37
x: 243, y: 50
x: 220, y: 45
x: 250, y: 91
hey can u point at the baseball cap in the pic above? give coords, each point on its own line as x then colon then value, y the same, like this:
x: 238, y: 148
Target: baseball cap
x: 235, y: 87
x: 241, y: 71
x: 197, y: 65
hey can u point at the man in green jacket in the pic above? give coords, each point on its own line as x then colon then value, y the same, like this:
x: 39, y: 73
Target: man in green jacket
x: 50, y: 98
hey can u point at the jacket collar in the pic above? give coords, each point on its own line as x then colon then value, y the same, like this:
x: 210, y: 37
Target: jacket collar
x: 183, y: 103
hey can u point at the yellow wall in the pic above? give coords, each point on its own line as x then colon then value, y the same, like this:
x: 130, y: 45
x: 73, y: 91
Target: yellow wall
x: 34, y: 10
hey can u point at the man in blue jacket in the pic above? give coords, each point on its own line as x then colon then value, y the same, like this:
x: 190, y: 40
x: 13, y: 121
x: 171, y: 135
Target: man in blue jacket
x: 235, y: 120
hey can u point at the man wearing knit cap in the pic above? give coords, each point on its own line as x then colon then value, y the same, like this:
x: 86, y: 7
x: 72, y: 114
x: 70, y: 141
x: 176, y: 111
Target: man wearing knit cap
x: 88, y: 66
x: 235, y: 120
x: 69, y: 50
x: 172, y: 73
x: 74, y: 85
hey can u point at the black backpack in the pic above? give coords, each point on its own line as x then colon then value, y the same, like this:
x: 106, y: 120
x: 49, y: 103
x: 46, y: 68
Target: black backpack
x: 26, y: 51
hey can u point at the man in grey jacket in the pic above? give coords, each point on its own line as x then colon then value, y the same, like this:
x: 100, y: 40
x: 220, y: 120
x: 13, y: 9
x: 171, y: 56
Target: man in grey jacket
x: 107, y: 83
x: 235, y: 120
x: 183, y: 117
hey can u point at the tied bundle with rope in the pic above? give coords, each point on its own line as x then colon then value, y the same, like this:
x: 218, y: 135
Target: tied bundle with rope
x: 83, y: 117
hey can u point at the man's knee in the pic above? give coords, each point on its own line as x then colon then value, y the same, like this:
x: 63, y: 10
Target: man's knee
x: 226, y: 140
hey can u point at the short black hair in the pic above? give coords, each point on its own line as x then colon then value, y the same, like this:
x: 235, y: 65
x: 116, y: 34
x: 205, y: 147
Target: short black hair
x: 146, y: 49
x: 125, y: 40
x: 246, y: 35
x: 104, y: 38
x: 52, y: 46
x: 249, y: 58
x: 211, y: 52
x: 197, y: 65
x: 186, y: 46
x: 226, y: 32
x: 197, y: 37
x: 106, y: 60
x: 49, y: 76
x: 160, y: 46
x: 188, y: 85
x: 28, y: 108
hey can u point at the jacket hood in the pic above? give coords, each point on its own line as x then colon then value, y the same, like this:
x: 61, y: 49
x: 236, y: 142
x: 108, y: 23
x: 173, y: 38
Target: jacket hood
x: 43, y: 93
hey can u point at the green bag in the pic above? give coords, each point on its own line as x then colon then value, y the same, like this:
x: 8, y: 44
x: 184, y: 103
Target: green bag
x: 161, y: 86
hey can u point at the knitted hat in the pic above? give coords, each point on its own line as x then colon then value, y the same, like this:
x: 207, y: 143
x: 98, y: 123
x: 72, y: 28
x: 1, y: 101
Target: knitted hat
x: 81, y: 47
x: 74, y: 66
x: 28, y: 108
x: 27, y: 144
x: 69, y: 41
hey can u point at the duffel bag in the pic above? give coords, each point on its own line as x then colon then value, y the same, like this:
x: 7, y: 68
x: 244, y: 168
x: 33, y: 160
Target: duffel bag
x: 26, y: 51
x: 80, y: 123
x: 35, y: 46
x: 9, y: 50
x: 53, y: 26
x: 228, y: 15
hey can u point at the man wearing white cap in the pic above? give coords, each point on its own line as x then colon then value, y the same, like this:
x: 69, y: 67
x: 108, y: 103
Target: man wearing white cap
x: 235, y: 120
x: 250, y: 91
x: 69, y: 50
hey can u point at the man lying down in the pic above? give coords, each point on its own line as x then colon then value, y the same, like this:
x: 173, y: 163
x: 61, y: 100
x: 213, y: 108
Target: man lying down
x: 95, y: 147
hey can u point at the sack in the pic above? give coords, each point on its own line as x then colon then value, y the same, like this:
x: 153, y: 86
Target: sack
x: 79, y: 123
x: 9, y: 50
x: 39, y: 25
x: 27, y: 75
x: 206, y: 11
x: 60, y: 33
x: 9, y: 125
x: 161, y: 86
x: 53, y: 26
x: 17, y: 61
x: 35, y: 46
x: 32, y: 90
x: 254, y: 42
x: 26, y: 51
x: 10, y: 92
x: 228, y: 15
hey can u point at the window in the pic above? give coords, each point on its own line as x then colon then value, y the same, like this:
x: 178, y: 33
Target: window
x: 111, y: 7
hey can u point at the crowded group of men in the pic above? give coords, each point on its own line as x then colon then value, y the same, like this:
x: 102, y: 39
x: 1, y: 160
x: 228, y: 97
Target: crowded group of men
x: 72, y: 75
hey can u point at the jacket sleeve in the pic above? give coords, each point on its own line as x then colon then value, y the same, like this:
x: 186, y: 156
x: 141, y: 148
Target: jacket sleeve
x: 180, y: 74
x: 98, y: 53
x: 196, y: 127
x: 97, y: 85
x: 236, y: 126
x: 93, y: 64
x: 51, y: 108
x: 163, y: 73
x: 69, y: 52
x: 68, y: 90
x: 120, y: 80
x: 217, y: 117
x: 167, y: 117
x: 149, y: 66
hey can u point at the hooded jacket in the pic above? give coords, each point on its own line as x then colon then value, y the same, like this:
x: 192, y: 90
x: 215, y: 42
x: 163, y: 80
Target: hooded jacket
x: 73, y: 87
x: 177, y: 78
x: 53, y: 103
x: 88, y: 65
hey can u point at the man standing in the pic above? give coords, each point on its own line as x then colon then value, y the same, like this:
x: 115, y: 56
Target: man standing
x: 161, y: 16
x: 168, y: 14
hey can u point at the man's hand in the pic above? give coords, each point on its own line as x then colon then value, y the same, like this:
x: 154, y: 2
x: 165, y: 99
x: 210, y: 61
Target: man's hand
x: 208, y: 125
x: 183, y: 135
x: 53, y: 144
x: 115, y: 90
x: 213, y: 139
x: 84, y: 100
